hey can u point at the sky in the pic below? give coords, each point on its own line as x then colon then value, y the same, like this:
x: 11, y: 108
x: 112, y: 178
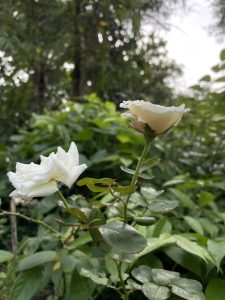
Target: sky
x: 190, y: 44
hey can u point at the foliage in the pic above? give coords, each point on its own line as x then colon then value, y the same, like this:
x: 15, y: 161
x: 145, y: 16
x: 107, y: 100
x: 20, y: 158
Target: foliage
x: 48, y: 53
x: 183, y: 225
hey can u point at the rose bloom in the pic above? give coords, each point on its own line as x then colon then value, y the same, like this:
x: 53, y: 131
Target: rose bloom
x: 39, y: 180
x: 158, y: 118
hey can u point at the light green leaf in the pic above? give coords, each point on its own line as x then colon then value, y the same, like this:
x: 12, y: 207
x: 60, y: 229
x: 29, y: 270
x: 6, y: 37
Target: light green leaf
x: 155, y: 292
x: 183, y: 198
x: 150, y: 193
x: 164, y: 277
x: 163, y: 206
x: 194, y: 224
x: 193, y: 247
x: 99, y: 278
x: 217, y: 250
x: 155, y: 243
x: 188, y: 289
x: 37, y: 259
x: 142, y: 274
x: 5, y: 256
x: 123, y: 237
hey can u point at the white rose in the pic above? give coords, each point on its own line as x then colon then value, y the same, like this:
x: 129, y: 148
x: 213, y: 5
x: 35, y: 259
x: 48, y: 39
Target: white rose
x: 39, y: 180
x: 158, y: 118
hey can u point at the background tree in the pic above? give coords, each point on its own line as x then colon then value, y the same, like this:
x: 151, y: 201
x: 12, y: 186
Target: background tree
x: 64, y: 49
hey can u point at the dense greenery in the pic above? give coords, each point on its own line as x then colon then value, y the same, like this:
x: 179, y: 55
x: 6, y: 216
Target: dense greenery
x: 189, y: 173
x: 54, y: 50
x: 63, y: 82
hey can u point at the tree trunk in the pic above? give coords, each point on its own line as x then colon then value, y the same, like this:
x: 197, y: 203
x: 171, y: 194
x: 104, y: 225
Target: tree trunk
x: 77, y: 72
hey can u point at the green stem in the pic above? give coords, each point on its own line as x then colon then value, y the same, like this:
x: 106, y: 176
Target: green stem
x: 136, y: 174
x: 19, y: 215
x: 63, y: 200
x: 125, y: 294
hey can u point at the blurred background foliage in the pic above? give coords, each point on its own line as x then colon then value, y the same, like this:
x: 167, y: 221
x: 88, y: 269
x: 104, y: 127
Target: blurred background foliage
x: 64, y: 67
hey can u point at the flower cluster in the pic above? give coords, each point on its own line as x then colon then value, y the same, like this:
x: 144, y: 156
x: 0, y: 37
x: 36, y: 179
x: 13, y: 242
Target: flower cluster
x: 39, y: 180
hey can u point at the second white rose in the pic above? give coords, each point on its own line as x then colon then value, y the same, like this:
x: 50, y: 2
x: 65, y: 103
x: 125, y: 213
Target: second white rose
x: 158, y: 118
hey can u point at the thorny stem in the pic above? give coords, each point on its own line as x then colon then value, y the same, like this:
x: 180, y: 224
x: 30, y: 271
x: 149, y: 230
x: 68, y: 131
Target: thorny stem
x: 135, y: 176
x: 19, y: 215
x: 125, y: 294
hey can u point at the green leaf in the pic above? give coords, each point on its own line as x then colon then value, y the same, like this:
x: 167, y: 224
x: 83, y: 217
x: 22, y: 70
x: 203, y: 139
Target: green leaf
x: 97, y: 188
x: 187, y: 260
x: 93, y: 181
x: 80, y: 287
x: 99, y: 278
x: 124, y: 190
x: 37, y: 259
x: 155, y: 292
x: 206, y: 78
x: 222, y: 55
x: 27, y: 284
x: 5, y: 256
x: 124, y: 257
x: 127, y: 170
x: 163, y: 206
x: 194, y: 224
x: 205, y: 198
x: 188, y: 289
x: 155, y: 243
x: 123, y: 237
x: 192, y: 247
x: 150, y: 193
x: 145, y: 221
x: 79, y: 214
x: 215, y: 290
x: 220, y: 79
x: 217, y: 250
x: 164, y: 277
x: 183, y: 198
x: 142, y: 274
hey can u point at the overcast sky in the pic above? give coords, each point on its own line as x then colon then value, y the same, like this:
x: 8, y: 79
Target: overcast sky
x: 190, y: 43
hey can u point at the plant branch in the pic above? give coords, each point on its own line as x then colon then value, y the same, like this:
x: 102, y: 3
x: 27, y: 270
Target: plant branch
x: 125, y: 293
x: 19, y: 215
x: 61, y: 197
x: 137, y: 170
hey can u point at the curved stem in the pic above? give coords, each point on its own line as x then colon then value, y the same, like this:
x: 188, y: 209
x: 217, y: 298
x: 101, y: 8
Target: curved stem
x: 135, y: 176
x: 19, y: 215
x: 63, y: 200
x: 125, y: 294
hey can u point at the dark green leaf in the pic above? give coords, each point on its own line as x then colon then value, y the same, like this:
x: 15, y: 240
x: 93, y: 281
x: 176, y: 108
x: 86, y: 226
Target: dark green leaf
x: 123, y: 237
x: 37, y: 259
x: 215, y: 290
